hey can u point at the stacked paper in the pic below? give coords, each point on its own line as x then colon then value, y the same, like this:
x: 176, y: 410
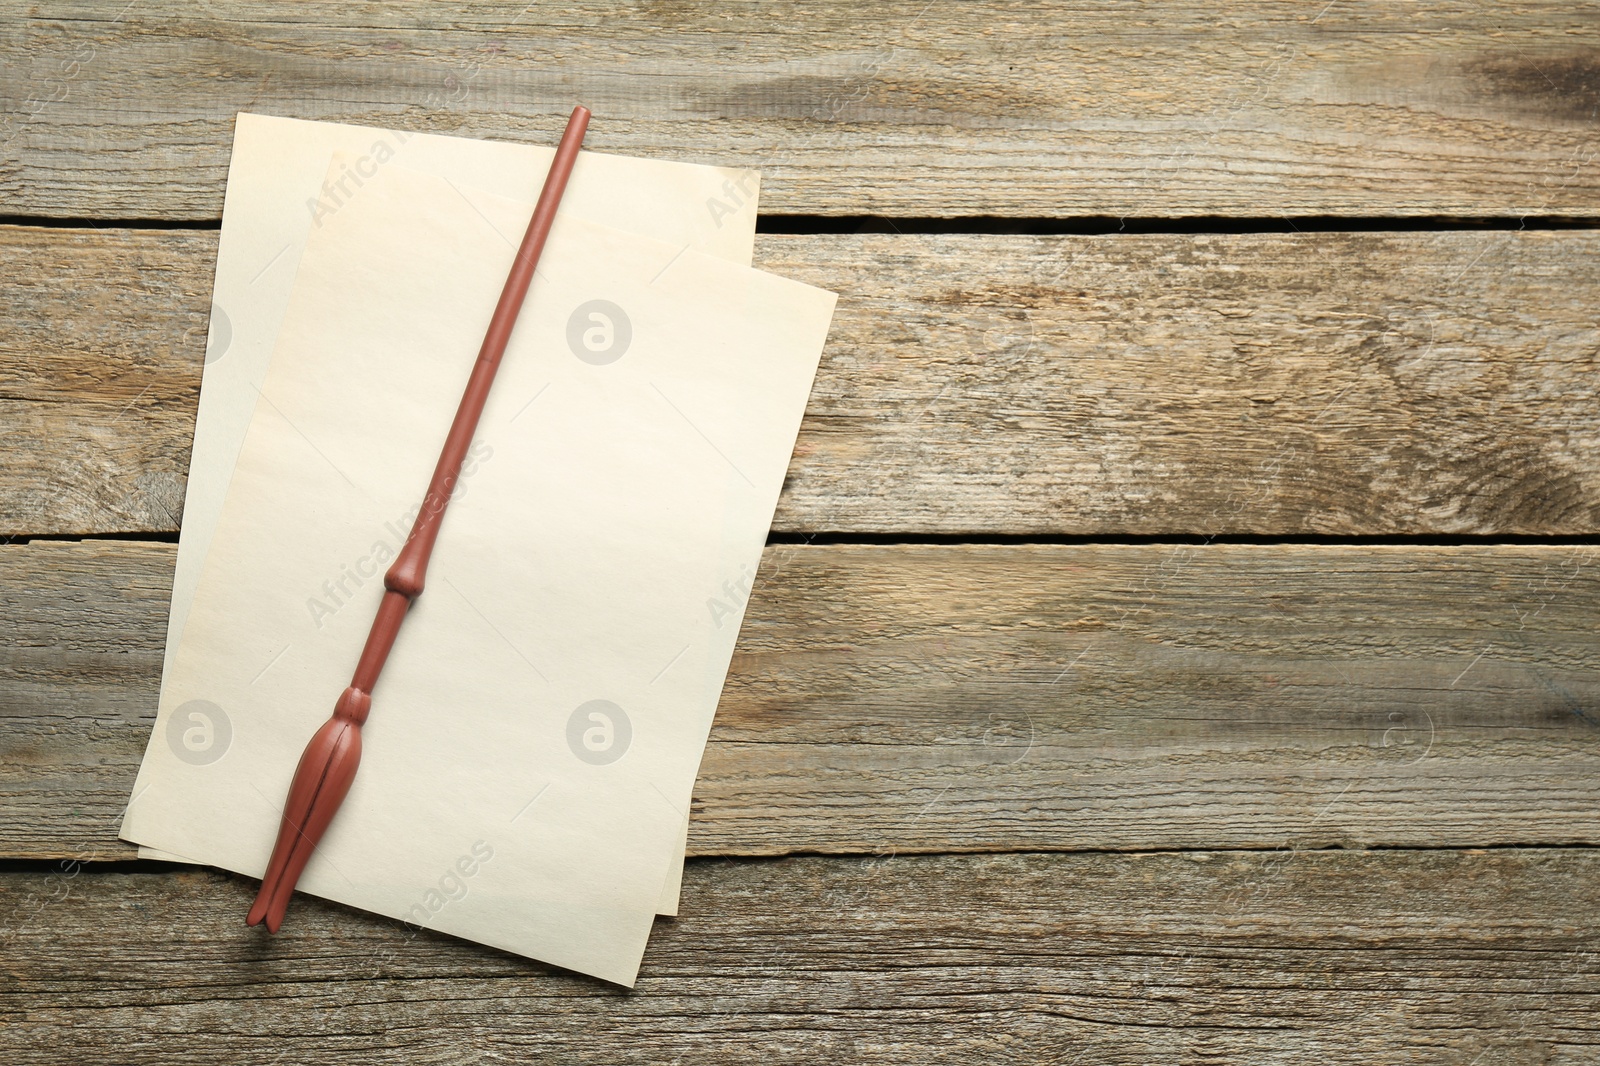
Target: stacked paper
x: 534, y: 739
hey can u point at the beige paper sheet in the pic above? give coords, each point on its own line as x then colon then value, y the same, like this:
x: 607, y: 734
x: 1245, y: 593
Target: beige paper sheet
x: 281, y: 188
x: 588, y: 558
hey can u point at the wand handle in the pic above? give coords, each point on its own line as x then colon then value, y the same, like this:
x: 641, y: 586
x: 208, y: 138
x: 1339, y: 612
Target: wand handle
x: 329, y: 763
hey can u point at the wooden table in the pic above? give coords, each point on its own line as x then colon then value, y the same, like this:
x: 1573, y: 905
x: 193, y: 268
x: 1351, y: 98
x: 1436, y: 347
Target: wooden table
x: 1176, y: 639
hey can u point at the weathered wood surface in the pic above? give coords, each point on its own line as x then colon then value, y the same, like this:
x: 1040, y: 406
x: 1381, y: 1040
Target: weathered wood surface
x: 100, y: 357
x: 952, y: 698
x: 1077, y: 703
x: 1348, y: 383
x: 904, y: 107
x: 1328, y: 957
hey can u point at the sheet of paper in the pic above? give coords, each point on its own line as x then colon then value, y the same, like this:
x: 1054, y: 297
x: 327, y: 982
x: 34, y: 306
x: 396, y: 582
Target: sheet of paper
x: 541, y: 719
x: 281, y: 188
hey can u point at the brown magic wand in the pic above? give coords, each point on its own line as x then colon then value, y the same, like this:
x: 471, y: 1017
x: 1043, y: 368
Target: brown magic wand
x: 330, y: 760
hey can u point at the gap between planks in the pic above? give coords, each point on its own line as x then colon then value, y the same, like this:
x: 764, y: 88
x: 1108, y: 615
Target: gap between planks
x: 953, y: 698
x: 1384, y: 957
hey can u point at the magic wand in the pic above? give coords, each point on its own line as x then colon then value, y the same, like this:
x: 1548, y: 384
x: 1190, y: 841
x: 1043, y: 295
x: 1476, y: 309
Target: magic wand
x: 329, y: 763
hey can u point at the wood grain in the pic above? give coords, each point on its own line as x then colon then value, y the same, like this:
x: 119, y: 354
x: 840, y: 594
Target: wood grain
x: 99, y: 376
x: 898, y: 108
x: 1056, y: 712
x: 890, y: 699
x: 1380, y: 957
x: 1279, y: 385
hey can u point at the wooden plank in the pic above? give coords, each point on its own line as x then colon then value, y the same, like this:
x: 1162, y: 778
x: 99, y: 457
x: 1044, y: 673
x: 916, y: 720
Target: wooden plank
x: 1281, y: 385
x: 99, y: 376
x: 1047, y: 108
x: 952, y: 698
x: 1378, y: 957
